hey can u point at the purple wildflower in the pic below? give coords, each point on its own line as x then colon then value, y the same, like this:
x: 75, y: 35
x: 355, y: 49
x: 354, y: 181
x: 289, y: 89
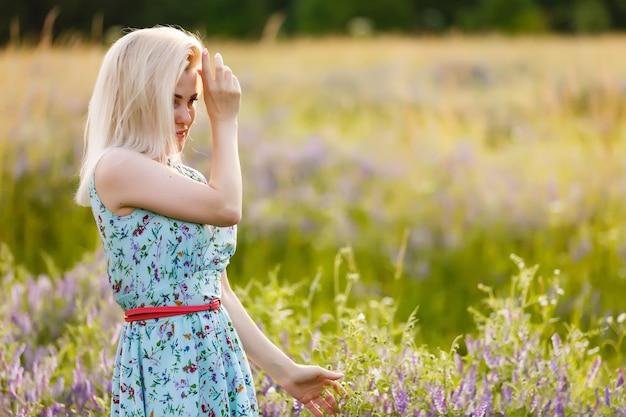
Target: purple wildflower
x: 483, y: 407
x: 82, y: 389
x: 534, y: 402
x: 471, y: 381
x: 554, y: 367
x: 560, y: 408
x: 297, y: 408
x: 507, y: 394
x: 607, y: 396
x: 400, y: 397
x: 594, y: 370
x: 471, y: 345
x: 459, y: 363
x: 439, y: 399
x: 490, y: 360
x: 456, y: 397
x: 55, y: 409
x: 16, y: 373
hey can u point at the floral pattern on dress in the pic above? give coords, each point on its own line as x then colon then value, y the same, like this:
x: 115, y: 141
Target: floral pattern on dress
x: 188, y: 365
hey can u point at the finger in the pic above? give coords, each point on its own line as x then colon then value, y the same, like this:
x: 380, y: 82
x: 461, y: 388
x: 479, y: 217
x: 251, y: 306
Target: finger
x: 332, y: 375
x: 330, y: 399
x: 206, y: 65
x: 236, y: 83
x: 219, y: 66
x: 337, y: 387
x: 313, y: 409
x: 228, y: 73
x: 325, y: 405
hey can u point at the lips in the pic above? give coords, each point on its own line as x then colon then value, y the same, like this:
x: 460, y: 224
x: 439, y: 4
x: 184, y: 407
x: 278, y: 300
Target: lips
x: 181, y: 134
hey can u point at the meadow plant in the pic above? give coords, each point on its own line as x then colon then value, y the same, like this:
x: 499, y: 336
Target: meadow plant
x: 520, y: 359
x: 461, y: 150
x: 434, y: 159
x: 56, y: 354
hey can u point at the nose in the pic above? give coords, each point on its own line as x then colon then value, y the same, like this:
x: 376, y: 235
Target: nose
x: 182, y: 116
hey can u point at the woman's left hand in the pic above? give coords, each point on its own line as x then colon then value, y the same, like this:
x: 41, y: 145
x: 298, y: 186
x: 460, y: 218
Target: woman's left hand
x: 315, y: 387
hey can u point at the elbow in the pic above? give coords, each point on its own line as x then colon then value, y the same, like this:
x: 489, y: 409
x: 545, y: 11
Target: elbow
x: 234, y: 217
x: 230, y: 216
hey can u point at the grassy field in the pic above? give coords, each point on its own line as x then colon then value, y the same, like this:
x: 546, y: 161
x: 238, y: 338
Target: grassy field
x: 434, y: 159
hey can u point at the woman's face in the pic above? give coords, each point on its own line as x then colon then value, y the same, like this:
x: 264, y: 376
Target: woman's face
x: 185, y: 97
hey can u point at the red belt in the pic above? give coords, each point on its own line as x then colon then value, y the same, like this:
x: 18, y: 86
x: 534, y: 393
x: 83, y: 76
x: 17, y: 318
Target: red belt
x: 146, y: 313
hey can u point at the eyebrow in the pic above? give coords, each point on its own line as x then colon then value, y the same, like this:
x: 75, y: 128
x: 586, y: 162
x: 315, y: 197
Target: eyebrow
x: 178, y: 96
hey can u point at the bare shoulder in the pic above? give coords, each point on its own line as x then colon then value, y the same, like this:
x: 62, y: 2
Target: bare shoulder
x: 119, y: 167
x: 118, y: 173
x: 114, y: 160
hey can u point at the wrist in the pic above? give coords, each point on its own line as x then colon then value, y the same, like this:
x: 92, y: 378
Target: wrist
x: 283, y: 371
x: 226, y: 128
x: 223, y: 120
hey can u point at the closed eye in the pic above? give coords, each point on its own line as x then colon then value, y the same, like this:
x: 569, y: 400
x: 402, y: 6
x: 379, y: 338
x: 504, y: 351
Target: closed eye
x: 178, y: 98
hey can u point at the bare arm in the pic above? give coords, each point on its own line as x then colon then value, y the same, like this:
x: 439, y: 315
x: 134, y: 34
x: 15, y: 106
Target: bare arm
x: 222, y: 97
x: 307, y: 384
x: 126, y: 180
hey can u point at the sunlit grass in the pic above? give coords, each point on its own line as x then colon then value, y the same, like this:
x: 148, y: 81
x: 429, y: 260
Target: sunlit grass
x: 517, y: 359
x: 453, y: 153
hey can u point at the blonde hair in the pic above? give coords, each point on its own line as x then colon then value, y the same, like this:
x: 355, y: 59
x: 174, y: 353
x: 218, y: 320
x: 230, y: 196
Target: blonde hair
x: 131, y: 104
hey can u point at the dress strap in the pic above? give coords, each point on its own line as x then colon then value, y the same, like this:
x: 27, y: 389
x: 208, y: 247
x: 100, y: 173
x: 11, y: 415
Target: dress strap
x: 146, y: 313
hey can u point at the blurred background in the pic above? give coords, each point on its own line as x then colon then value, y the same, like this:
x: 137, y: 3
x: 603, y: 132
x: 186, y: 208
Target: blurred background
x: 71, y: 20
x: 436, y: 138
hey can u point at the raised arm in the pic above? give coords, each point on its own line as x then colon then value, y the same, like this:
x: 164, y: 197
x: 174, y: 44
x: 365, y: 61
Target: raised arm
x: 222, y: 98
x: 126, y: 180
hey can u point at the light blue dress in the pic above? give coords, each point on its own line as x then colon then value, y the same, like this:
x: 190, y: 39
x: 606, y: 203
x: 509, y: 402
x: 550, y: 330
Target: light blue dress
x: 188, y: 365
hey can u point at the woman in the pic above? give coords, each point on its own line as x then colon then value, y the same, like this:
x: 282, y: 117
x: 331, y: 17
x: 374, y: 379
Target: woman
x: 168, y: 235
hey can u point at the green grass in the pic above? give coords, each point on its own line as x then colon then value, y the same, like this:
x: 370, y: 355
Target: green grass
x: 442, y: 156
x: 518, y: 357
